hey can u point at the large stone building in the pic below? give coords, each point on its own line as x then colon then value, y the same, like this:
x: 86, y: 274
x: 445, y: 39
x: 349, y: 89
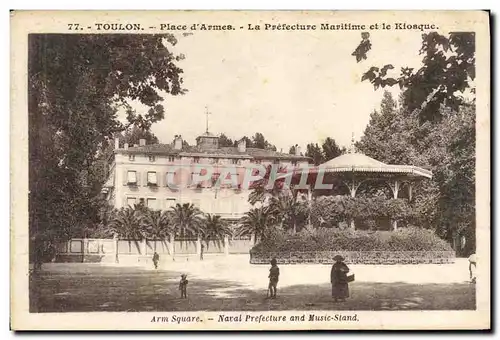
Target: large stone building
x: 145, y: 173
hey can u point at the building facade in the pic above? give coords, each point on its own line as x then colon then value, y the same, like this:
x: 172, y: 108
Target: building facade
x: 162, y: 175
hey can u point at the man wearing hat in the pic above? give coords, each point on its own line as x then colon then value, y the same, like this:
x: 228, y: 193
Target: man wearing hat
x: 338, y: 278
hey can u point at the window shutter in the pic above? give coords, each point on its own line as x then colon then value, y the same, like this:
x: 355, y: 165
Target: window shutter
x: 125, y: 202
x: 125, y: 177
x: 158, y: 179
x: 138, y: 177
x: 145, y: 179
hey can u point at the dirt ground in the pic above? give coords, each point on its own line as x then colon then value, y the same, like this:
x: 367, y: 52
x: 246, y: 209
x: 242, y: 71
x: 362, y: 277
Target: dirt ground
x: 232, y: 283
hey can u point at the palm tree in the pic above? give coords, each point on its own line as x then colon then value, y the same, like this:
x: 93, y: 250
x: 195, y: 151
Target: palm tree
x: 288, y: 210
x: 260, y: 190
x: 256, y: 221
x: 126, y: 224
x: 156, y: 224
x: 215, y: 229
x: 186, y: 220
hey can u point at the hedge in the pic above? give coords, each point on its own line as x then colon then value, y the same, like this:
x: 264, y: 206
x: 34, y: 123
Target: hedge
x: 320, y: 245
x: 355, y: 257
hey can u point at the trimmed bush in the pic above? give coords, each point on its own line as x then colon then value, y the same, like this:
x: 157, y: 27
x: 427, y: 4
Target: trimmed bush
x: 356, y: 257
x: 323, y: 239
x: 411, y: 245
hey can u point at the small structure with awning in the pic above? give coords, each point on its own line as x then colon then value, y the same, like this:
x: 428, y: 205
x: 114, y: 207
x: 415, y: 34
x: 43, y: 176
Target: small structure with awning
x: 353, y: 169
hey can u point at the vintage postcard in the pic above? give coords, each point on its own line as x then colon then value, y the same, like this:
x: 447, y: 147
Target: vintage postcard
x: 250, y: 170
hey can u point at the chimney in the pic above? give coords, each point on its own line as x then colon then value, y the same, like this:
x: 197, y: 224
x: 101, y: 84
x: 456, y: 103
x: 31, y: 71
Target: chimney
x: 125, y: 146
x: 117, y: 143
x: 178, y: 142
x: 142, y: 142
x: 297, y: 150
x: 242, y: 145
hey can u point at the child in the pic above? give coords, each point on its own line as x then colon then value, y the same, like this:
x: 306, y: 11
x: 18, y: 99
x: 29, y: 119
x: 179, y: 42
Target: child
x: 274, y: 274
x: 183, y: 286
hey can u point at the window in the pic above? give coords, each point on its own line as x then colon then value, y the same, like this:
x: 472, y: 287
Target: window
x: 131, y: 201
x: 152, y: 180
x: 170, y: 202
x: 131, y: 157
x: 152, y: 158
x: 258, y: 161
x: 196, y: 159
x: 235, y: 161
x: 151, y: 203
x: 171, y: 158
x: 131, y: 177
x: 294, y: 163
x: 276, y: 161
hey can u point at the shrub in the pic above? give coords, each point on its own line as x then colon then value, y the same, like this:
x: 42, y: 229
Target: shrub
x: 369, y: 212
x: 327, y: 239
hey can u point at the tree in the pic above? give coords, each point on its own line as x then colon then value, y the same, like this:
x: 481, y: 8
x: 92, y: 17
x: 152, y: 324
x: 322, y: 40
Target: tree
x: 314, y: 151
x: 225, y: 141
x: 215, y: 229
x: 156, y: 224
x: 260, y: 142
x: 289, y: 211
x: 77, y: 84
x: 133, y: 134
x: 330, y: 149
x: 447, y: 71
x: 446, y: 203
x: 292, y: 149
x: 256, y: 222
x: 392, y: 135
x: 262, y: 191
x: 126, y: 224
x: 247, y: 140
x: 186, y: 220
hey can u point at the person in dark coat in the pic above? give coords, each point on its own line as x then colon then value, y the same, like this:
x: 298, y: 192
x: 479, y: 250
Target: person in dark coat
x: 183, y: 286
x: 156, y: 259
x: 338, y: 278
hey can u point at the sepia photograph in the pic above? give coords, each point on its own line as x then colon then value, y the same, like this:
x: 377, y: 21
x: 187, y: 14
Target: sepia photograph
x: 250, y: 170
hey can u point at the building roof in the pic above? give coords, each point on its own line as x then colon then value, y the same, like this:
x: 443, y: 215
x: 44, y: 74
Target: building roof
x: 358, y: 162
x: 226, y: 152
x: 207, y: 134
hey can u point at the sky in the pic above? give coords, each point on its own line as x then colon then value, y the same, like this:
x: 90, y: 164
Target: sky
x: 294, y: 87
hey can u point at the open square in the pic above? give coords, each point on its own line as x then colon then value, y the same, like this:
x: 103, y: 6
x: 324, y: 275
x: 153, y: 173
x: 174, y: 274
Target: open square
x: 231, y: 283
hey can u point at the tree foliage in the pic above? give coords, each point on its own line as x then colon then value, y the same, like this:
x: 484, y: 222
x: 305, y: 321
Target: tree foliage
x: 257, y: 221
x: 225, y: 141
x: 331, y: 149
x: 186, y: 220
x: 134, y: 134
x: 215, y: 229
x: 314, y: 151
x: 447, y: 71
x: 446, y: 203
x: 77, y: 86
